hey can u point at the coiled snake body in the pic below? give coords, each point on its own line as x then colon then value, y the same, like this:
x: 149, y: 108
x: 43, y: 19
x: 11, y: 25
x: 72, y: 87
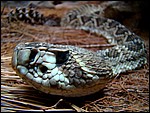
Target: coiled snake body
x: 72, y: 71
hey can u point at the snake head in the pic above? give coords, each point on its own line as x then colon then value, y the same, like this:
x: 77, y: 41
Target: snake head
x: 57, y: 69
x: 39, y: 63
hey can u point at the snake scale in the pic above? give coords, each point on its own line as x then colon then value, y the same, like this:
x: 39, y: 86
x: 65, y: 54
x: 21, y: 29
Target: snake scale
x: 72, y: 71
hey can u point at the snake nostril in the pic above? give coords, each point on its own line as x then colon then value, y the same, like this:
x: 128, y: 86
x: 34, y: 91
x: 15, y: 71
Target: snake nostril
x: 33, y: 54
x: 43, y: 69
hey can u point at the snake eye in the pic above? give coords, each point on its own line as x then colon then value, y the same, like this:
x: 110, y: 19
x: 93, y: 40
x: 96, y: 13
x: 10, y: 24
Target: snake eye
x: 33, y: 54
x: 61, y: 57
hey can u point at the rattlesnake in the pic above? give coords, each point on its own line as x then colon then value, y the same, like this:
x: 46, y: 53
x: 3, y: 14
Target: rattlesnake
x: 72, y: 71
